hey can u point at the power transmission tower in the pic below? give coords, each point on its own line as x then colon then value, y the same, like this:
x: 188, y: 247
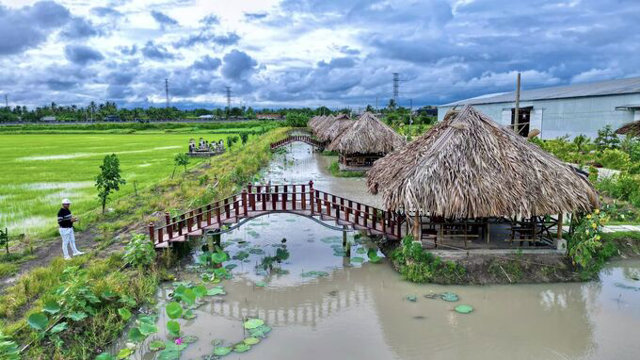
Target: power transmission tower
x: 396, y: 86
x: 228, y: 88
x: 166, y: 91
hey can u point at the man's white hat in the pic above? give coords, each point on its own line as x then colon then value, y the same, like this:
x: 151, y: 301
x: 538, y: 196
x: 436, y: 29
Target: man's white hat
x: 66, y: 201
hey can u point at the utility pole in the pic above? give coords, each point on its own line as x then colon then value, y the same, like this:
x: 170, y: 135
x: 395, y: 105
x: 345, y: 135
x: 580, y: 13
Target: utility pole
x: 6, y: 100
x: 396, y: 86
x: 516, y: 112
x: 166, y: 91
x: 376, y: 103
x: 410, y: 111
x: 228, y: 88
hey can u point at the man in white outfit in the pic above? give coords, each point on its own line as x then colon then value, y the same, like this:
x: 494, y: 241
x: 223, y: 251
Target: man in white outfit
x: 65, y: 221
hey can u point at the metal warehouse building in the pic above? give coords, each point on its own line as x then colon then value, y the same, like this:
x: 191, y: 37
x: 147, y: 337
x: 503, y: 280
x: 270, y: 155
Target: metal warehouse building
x: 564, y: 110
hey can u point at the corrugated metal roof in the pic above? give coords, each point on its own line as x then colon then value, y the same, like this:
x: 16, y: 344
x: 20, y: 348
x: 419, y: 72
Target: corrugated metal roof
x: 609, y: 87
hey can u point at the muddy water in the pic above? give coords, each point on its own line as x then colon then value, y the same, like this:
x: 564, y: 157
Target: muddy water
x: 359, y: 310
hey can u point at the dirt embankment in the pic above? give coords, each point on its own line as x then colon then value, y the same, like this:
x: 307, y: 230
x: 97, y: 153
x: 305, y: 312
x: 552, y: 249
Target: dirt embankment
x: 544, y: 266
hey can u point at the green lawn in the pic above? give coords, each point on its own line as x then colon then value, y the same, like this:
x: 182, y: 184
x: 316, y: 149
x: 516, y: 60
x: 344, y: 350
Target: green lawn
x: 40, y: 170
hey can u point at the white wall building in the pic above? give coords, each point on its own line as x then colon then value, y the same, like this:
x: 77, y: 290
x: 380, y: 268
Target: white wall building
x: 564, y: 110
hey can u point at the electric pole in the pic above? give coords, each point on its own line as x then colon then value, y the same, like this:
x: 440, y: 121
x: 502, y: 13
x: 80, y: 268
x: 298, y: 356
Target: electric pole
x: 6, y: 100
x: 396, y: 86
x: 228, y: 89
x: 516, y: 112
x: 166, y: 91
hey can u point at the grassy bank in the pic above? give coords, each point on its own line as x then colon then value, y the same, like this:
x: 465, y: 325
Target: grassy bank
x: 111, y: 279
x: 334, y: 169
x: 158, y: 127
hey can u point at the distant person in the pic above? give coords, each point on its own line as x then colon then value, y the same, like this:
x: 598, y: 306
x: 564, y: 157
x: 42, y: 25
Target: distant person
x: 65, y: 222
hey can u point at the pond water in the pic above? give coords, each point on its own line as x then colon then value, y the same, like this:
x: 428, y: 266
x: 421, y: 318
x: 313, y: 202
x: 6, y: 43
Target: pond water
x: 322, y: 305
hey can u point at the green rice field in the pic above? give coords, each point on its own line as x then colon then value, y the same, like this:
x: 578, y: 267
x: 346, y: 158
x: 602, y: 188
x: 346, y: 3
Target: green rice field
x: 39, y: 170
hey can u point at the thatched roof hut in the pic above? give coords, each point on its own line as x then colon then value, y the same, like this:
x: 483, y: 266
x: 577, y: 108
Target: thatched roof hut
x: 336, y: 128
x: 367, y: 135
x: 467, y: 166
x: 632, y: 128
x: 322, y: 125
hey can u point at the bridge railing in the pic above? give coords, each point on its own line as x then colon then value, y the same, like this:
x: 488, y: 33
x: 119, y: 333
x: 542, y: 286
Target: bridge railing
x: 265, y: 198
x: 291, y: 138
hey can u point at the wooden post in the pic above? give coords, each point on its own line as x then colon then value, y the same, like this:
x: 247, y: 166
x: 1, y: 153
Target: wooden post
x: 357, y: 220
x: 245, y: 208
x: 274, y: 198
x: 218, y: 220
x: 236, y: 207
x: 326, y: 204
x: 366, y: 215
x: 417, y: 227
x: 258, y: 193
x: 303, y: 198
x: 284, y: 197
x: 227, y: 211
x: 160, y: 236
x: 190, y: 221
x: 264, y: 199
x: 399, y: 224
x: 374, y: 217
x: 152, y: 233
x: 318, y: 202
x: 559, y: 231
x: 198, y: 218
x: 181, y: 224
x: 293, y: 198
x: 209, y: 215
x: 384, y: 223
x: 167, y: 219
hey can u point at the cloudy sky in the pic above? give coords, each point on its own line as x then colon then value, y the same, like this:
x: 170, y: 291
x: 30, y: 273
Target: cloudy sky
x: 307, y: 52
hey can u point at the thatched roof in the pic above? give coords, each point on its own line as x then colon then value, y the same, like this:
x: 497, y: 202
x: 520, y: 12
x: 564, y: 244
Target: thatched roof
x: 367, y: 135
x: 322, y: 125
x: 467, y: 166
x: 314, y: 121
x: 336, y: 128
x: 632, y: 128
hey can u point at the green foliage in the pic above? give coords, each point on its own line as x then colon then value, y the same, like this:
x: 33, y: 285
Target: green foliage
x: 607, y: 139
x: 231, y: 140
x: 615, y: 159
x: 181, y: 159
x: 139, y: 251
x: 244, y: 137
x: 109, y: 179
x: 420, y: 266
x: 4, y: 239
x: 296, y: 119
x: 584, y: 244
x: 8, y: 348
x: 334, y: 169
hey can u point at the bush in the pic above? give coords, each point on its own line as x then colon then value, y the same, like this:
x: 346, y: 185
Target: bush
x: 139, y: 251
x: 615, y: 159
x: 420, y: 266
x: 584, y: 244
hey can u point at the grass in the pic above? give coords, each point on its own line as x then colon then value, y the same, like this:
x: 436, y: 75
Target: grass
x: 40, y: 170
x: 334, y: 169
x: 86, y: 338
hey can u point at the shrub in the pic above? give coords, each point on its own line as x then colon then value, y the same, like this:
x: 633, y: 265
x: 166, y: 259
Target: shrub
x: 585, y: 242
x: 139, y: 251
x: 615, y: 159
x: 607, y: 139
x: 420, y: 266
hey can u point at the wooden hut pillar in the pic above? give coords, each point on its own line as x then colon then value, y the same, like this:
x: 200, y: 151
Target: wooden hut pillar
x: 417, y: 227
x: 558, y: 241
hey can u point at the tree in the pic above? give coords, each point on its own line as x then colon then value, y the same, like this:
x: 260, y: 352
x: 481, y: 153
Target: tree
x: 231, y: 140
x: 607, y: 139
x: 296, y: 119
x: 4, y: 239
x: 109, y: 179
x: 180, y: 159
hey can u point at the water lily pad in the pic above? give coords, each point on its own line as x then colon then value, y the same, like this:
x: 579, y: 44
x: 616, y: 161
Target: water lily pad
x: 188, y: 315
x: 221, y: 350
x: 256, y: 251
x: 189, y: 339
x: 124, y: 353
x: 147, y: 329
x: 200, y: 290
x: 174, y: 310
x: 251, y: 340
x: 260, y: 331
x: 124, y: 313
x: 231, y: 266
x: 314, y: 274
x: 241, y: 255
x: 174, y: 328
x: 156, y: 345
x: 135, y: 335
x: 331, y: 239
x: 373, y: 256
x: 261, y: 284
x: 241, y: 347
x: 253, y: 323
x: 463, y: 309
x: 357, y: 259
x: 412, y: 298
x: 218, y: 290
x: 449, y: 296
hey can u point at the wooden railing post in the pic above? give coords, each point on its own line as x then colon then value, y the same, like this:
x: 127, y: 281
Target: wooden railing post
x: 199, y: 218
x: 303, y: 197
x: 326, y: 204
x: 245, y: 208
x: 167, y: 220
x: 284, y: 197
x: 265, y: 198
x: 366, y: 214
x: 384, y: 223
x: 293, y: 198
x: 311, y: 196
x: 348, y: 211
x: 227, y: 211
x: 374, y: 218
x: 152, y: 233
x: 274, y: 198
x: 218, y: 220
x: 160, y: 236
x: 318, y: 202
x: 236, y: 207
x: 182, y: 224
x: 357, y: 213
x: 190, y: 221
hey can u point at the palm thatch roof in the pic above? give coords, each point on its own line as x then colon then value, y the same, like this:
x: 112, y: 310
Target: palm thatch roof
x: 467, y: 166
x: 314, y: 121
x: 322, y: 125
x: 367, y: 135
x: 336, y: 128
x: 632, y: 128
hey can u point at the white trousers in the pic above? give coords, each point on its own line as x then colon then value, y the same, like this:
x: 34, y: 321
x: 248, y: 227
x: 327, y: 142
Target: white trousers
x: 68, y: 239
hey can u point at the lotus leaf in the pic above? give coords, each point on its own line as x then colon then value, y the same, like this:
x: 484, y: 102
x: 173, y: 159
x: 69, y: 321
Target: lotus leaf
x: 241, y: 347
x: 189, y: 339
x: 253, y: 323
x: 77, y: 316
x: 230, y: 266
x: 58, y: 328
x: 412, y: 298
x: 174, y: 328
x: 105, y: 356
x: 135, y: 335
x: 156, y: 345
x: 188, y: 315
x: 241, y: 255
x: 125, y: 314
x: 218, y: 290
x: 373, y: 256
x: 251, y: 341
x: 314, y: 274
x: 256, y: 251
x: 147, y: 329
x: 261, y: 284
x: 449, y: 296
x: 357, y: 259
x: 174, y: 310
x: 221, y: 350
x: 124, y: 353
x: 464, y: 309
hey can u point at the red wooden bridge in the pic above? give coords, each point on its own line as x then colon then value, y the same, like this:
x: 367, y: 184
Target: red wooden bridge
x: 293, y: 138
x: 259, y: 200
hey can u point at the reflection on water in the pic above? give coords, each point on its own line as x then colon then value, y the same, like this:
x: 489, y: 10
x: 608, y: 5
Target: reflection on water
x: 359, y: 310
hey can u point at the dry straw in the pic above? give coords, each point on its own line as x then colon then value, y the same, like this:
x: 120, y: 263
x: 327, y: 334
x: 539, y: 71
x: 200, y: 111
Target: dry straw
x: 367, y: 135
x: 632, y: 129
x: 467, y: 166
